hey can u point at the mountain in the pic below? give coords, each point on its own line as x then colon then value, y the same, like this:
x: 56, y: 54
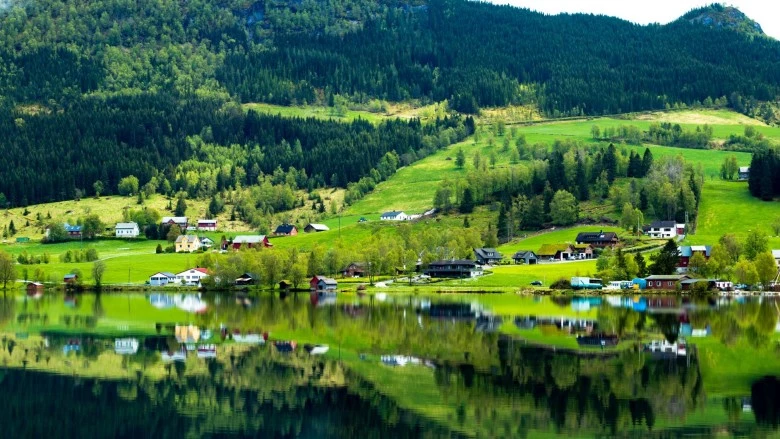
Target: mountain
x: 724, y: 17
x: 98, y: 89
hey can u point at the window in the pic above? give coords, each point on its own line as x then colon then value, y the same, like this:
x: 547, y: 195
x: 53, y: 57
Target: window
x: 670, y: 283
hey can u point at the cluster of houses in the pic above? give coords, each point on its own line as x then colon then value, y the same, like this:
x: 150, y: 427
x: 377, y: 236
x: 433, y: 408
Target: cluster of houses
x: 585, y: 244
x: 399, y: 215
x: 292, y: 230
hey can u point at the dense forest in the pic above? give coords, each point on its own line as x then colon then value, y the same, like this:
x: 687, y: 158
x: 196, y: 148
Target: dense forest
x: 95, y: 91
x: 764, y: 178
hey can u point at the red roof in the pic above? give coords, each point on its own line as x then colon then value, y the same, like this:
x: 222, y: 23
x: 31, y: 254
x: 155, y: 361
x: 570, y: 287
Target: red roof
x: 202, y: 270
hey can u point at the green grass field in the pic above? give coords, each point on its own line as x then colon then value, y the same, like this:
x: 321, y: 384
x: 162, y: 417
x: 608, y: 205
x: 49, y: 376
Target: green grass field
x: 393, y: 110
x: 557, y: 236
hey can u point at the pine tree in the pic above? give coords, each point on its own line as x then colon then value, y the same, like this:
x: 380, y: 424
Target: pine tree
x: 181, y: 206
x: 609, y: 163
x: 467, y: 201
x: 466, y: 223
x: 12, y: 228
x: 460, y: 158
x: 641, y: 264
x: 583, y: 191
x: 666, y: 261
x: 647, y: 162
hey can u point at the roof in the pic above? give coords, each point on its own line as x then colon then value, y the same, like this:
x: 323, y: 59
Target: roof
x: 776, y: 254
x: 70, y: 228
x: 693, y: 281
x: 667, y: 277
x: 522, y: 254
x: 70, y: 276
x: 488, y: 253
x: 392, y: 213
x: 249, y: 275
x: 454, y: 262
x: 175, y: 219
x: 188, y: 238
x: 596, y: 236
x: 207, y: 221
x: 126, y: 225
x: 744, y: 169
x: 663, y: 224
x: 328, y: 280
x: 687, y: 250
x: 284, y: 228
x: 164, y: 273
x: 551, y: 249
x: 318, y: 227
x: 248, y: 239
x: 206, y: 239
x: 582, y: 246
x: 198, y: 269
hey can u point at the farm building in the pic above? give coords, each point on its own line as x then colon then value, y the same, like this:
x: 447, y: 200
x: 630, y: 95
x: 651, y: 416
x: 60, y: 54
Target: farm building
x: 248, y: 241
x: 665, y: 282
x: 322, y: 283
x: 207, y: 225
x: 187, y: 244
x: 161, y: 279
x: 487, y: 256
x: 180, y: 221
x: 598, y: 239
x: 744, y: 173
x: 316, y: 228
x: 354, y: 269
x: 558, y: 252
x: 687, y: 252
x: 664, y: 229
x: 193, y: 276
x: 453, y: 268
x: 525, y: 257
x: 74, y: 232
x: 126, y: 230
x: 286, y: 230
x: 394, y: 215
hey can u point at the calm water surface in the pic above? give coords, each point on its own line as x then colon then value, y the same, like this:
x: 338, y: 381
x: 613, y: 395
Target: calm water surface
x: 173, y: 365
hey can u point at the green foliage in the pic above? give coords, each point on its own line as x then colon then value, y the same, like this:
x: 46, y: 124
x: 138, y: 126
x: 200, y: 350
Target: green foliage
x: 764, y: 169
x: 755, y: 244
x: 564, y: 209
x: 128, y: 185
x: 666, y: 260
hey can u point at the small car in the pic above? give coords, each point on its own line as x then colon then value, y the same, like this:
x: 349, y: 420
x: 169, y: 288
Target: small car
x: 537, y: 283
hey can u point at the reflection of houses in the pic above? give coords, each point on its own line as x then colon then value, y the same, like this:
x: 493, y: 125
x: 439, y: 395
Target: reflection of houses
x: 598, y: 239
x: 286, y: 230
x: 207, y: 225
x: 687, y: 252
x: 193, y: 276
x: 355, y: 269
x: 126, y: 230
x: 452, y: 311
x: 249, y: 241
x: 162, y: 278
x: 453, y: 269
x: 126, y: 346
x: 187, y: 334
x: 664, y: 281
x: 524, y: 257
x: 323, y: 284
x: 487, y: 256
x: 187, y: 244
x: 664, y: 229
x: 555, y: 251
x: 180, y: 221
x: 316, y: 228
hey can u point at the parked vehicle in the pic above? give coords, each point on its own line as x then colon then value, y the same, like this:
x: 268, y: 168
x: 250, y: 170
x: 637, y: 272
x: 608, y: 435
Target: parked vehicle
x: 537, y: 283
x: 586, y: 283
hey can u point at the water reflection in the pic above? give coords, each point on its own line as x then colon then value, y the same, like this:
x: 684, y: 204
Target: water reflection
x: 312, y: 366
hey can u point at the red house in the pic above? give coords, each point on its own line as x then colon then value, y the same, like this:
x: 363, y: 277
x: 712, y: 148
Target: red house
x: 687, y: 252
x: 249, y: 241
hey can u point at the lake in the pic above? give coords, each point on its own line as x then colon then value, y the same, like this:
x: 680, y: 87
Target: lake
x: 467, y: 365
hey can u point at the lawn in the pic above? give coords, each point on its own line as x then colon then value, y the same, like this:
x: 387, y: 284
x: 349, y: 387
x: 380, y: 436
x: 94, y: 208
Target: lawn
x: 393, y: 110
x: 553, y: 236
x: 728, y: 207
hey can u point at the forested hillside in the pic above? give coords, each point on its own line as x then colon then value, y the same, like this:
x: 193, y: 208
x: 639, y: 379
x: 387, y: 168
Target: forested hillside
x: 93, y: 91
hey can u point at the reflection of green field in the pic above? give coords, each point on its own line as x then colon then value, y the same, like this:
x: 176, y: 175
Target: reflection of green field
x: 730, y: 370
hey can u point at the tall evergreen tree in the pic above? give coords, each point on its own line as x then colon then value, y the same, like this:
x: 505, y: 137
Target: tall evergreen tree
x: 647, y: 162
x: 467, y: 201
x: 666, y: 261
x: 609, y: 163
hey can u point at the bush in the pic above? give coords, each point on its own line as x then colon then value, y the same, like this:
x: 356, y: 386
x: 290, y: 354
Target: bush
x: 170, y: 249
x: 159, y: 249
x: 561, y: 284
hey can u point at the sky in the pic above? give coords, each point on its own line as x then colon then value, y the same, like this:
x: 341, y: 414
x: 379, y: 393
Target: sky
x: 765, y: 12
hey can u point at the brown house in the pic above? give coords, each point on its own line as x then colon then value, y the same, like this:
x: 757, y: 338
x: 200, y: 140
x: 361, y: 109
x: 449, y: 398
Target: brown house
x: 598, y: 239
x: 286, y: 230
x: 355, y: 269
x: 665, y: 281
x: 34, y: 288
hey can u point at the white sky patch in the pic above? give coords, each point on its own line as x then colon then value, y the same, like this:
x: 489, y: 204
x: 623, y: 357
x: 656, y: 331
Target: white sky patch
x: 765, y: 12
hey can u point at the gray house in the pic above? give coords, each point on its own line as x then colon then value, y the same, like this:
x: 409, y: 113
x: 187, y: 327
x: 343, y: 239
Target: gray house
x: 525, y: 257
x: 487, y: 256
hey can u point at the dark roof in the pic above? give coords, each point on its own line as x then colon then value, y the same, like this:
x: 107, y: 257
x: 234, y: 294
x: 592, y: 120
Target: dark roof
x: 488, y: 253
x: 693, y: 281
x: 677, y: 277
x: 522, y: 254
x: 284, y: 229
x: 454, y: 262
x: 596, y: 236
x: 663, y: 224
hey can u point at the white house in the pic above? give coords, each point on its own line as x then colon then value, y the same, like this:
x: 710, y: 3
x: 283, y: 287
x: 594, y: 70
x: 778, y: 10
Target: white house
x: 127, y: 230
x: 206, y: 242
x: 192, y: 277
x: 394, y: 216
x: 207, y: 225
x: 776, y: 254
x: 744, y: 173
x: 161, y: 279
x: 665, y: 229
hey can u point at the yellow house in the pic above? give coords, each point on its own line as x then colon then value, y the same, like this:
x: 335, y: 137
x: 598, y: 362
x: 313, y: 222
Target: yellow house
x: 187, y: 244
